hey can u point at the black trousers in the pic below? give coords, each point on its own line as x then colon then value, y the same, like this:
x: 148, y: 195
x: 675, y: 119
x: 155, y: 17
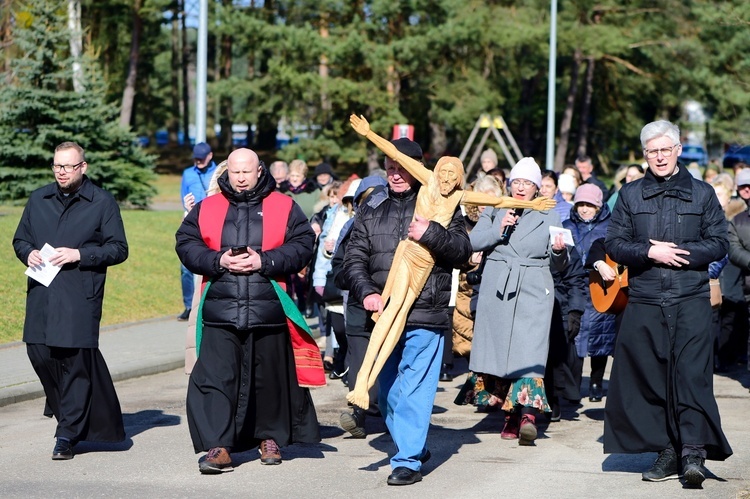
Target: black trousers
x: 661, y: 387
x: 243, y: 389
x: 598, y: 366
x: 335, y: 322
x: 732, y: 338
x: 448, y: 341
x: 357, y: 347
x: 80, y: 393
x: 562, y: 375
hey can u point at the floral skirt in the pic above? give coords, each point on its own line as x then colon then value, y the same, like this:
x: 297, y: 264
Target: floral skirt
x: 484, y: 390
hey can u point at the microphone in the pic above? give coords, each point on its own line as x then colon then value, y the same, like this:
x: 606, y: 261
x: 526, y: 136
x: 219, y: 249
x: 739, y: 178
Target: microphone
x: 508, y: 230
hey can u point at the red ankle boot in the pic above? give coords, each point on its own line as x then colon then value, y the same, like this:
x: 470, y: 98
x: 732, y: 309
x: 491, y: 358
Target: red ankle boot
x: 510, y: 429
x: 528, y: 432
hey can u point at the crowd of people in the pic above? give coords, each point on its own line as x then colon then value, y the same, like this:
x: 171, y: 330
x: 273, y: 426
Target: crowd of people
x: 405, y: 270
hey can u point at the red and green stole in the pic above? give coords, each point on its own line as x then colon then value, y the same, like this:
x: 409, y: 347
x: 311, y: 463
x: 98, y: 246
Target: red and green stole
x: 276, y: 208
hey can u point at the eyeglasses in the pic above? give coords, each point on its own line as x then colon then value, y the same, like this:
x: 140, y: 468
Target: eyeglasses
x: 665, y: 152
x: 66, y: 168
x: 522, y: 183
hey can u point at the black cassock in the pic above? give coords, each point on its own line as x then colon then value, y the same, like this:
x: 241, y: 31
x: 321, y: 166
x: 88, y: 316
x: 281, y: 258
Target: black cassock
x: 80, y: 393
x: 661, y: 385
x: 243, y: 389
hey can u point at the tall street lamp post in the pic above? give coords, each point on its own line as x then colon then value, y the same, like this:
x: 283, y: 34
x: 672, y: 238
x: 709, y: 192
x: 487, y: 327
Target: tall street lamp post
x: 551, y: 86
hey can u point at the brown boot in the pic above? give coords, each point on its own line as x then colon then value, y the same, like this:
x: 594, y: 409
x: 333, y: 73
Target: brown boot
x: 269, y: 452
x: 528, y: 432
x: 216, y: 461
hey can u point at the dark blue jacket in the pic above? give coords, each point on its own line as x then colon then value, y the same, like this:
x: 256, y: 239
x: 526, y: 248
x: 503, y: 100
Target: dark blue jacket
x: 598, y: 332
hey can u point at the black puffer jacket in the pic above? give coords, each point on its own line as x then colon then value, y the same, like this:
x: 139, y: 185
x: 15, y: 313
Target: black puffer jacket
x: 236, y: 300
x: 739, y: 241
x: 681, y: 210
x: 374, y: 238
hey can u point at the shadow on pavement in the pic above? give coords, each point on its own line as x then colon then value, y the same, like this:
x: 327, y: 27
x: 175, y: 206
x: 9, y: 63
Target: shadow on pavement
x: 440, y: 454
x: 737, y: 372
x: 141, y: 421
x: 134, y: 424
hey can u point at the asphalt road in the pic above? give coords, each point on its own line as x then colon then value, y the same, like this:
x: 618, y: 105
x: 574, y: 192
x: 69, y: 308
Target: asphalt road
x: 469, y: 458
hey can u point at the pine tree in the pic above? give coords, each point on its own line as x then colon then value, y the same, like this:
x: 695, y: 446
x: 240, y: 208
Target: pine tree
x: 40, y: 109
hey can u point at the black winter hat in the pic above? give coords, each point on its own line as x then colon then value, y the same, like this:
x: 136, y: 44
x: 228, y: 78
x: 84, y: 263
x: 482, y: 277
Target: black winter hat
x: 408, y: 148
x: 324, y: 168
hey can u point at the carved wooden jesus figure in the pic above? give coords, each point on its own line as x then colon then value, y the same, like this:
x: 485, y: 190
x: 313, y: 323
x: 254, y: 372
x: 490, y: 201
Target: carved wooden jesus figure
x: 412, y: 262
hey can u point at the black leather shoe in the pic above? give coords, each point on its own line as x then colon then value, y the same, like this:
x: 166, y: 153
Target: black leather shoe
x: 595, y: 393
x: 335, y: 375
x: 404, y: 476
x: 425, y: 457
x: 556, y: 415
x: 185, y: 315
x: 62, y: 451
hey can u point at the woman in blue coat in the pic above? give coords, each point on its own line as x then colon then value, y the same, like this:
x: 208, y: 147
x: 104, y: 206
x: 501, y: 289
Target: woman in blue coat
x: 589, y: 219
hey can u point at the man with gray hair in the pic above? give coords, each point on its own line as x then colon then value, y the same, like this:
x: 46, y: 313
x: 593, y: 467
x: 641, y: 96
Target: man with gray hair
x: 666, y: 228
x: 279, y: 171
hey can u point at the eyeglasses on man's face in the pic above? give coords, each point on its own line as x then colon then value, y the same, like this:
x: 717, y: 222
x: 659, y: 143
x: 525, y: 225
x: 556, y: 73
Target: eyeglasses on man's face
x: 527, y: 184
x: 66, y: 168
x: 666, y: 152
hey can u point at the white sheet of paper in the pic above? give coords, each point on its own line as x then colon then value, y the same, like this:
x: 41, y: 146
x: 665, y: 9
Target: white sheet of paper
x: 46, y: 272
x: 567, y: 235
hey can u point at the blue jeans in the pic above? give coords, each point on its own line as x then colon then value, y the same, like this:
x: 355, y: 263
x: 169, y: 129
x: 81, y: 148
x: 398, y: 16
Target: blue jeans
x: 408, y: 383
x: 188, y: 287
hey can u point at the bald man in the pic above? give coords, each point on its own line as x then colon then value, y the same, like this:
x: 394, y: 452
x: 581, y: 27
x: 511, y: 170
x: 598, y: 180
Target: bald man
x: 244, y: 390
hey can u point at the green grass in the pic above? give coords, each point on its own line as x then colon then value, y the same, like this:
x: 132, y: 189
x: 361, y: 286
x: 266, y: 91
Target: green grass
x: 168, y: 188
x: 12, y: 278
x: 147, y: 285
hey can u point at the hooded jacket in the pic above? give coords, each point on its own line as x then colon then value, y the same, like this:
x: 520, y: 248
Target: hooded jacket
x: 245, y: 301
x: 586, y: 232
x: 356, y: 315
x: 598, y: 332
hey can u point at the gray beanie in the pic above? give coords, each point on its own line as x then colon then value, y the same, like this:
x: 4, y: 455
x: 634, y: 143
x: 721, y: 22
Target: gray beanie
x: 489, y: 154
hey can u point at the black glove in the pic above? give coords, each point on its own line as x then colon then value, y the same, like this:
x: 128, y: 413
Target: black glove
x: 574, y: 324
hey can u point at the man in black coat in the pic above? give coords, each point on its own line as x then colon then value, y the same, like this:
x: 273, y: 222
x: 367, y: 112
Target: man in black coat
x: 666, y: 228
x: 82, y: 225
x: 244, y: 390
x: 409, y: 378
x: 734, y: 305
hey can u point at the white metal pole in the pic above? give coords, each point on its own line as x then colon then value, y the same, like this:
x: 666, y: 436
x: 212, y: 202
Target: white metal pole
x: 201, y: 73
x: 551, y: 86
